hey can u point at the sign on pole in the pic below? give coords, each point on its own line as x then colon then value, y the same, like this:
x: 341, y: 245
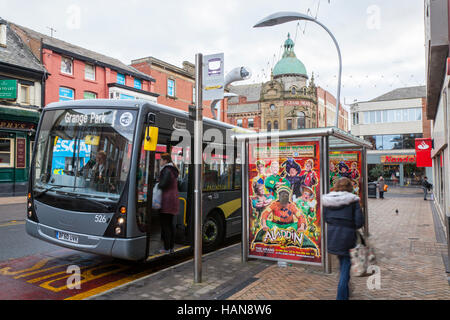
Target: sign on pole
x: 213, y: 77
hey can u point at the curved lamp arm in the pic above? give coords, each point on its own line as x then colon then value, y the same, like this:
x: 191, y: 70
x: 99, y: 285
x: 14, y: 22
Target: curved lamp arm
x: 287, y: 16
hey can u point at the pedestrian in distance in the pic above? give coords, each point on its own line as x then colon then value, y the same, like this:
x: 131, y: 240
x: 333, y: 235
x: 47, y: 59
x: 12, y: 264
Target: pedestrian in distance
x: 168, y: 183
x: 343, y: 215
x: 426, y: 186
x: 381, y: 185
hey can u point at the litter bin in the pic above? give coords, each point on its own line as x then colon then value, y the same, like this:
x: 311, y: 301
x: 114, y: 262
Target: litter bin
x: 372, y: 190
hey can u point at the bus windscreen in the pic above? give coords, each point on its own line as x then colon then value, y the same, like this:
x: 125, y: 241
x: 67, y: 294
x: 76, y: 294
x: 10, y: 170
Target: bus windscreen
x: 84, y: 152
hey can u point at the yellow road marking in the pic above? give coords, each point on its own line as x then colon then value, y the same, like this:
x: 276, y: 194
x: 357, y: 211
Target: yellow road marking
x: 107, y: 286
x: 87, y: 275
x: 38, y: 265
x: 40, y: 271
x: 12, y: 223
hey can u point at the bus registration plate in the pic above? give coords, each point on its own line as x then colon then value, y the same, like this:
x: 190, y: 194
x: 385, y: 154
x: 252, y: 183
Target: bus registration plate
x: 66, y: 237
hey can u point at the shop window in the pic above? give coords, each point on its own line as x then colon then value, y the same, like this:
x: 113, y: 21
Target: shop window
x: 6, y: 153
x: 89, y: 72
x: 66, y: 65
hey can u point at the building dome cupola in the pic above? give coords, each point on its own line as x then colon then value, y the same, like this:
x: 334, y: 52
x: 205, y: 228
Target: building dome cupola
x: 289, y: 65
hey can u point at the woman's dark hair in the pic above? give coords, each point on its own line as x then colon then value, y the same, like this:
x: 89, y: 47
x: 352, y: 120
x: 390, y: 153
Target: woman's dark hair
x: 344, y: 184
x: 166, y: 157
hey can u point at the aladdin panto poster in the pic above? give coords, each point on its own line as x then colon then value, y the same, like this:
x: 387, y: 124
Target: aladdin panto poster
x: 285, y: 217
x: 346, y: 164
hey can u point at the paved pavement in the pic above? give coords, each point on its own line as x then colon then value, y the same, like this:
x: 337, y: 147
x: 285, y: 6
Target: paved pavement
x: 410, y: 261
x: 12, y: 200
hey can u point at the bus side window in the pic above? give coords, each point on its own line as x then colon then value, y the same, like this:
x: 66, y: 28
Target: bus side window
x: 180, y: 159
x: 237, y: 170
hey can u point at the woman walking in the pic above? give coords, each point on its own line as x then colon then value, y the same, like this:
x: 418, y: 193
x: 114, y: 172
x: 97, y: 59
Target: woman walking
x: 381, y: 185
x: 343, y: 216
x: 168, y: 183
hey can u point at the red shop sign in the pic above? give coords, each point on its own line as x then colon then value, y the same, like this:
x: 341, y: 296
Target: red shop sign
x: 423, y: 153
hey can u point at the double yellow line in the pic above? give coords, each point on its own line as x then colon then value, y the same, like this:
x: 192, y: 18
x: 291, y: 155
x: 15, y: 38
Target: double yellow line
x: 11, y: 223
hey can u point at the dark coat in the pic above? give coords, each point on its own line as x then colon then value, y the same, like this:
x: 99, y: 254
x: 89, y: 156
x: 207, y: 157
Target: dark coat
x: 168, y: 183
x: 343, y: 216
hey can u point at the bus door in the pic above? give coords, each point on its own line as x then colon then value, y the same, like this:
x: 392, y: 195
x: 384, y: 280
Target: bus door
x: 148, y: 218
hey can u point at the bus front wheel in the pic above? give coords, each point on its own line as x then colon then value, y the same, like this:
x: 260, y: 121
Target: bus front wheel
x: 213, y: 231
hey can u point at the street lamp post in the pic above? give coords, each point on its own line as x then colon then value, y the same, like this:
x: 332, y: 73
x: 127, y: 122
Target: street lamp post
x: 286, y: 16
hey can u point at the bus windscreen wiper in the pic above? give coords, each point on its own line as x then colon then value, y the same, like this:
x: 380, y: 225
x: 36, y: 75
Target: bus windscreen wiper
x: 49, y: 189
x: 87, y: 198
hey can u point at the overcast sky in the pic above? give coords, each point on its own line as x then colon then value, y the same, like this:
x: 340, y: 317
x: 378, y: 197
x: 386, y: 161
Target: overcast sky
x: 382, y: 41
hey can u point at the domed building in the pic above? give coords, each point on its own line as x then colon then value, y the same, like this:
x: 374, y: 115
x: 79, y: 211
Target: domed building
x: 290, y: 100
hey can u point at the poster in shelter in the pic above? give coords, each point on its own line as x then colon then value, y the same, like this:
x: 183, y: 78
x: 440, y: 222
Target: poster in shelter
x: 284, y: 188
x: 346, y: 164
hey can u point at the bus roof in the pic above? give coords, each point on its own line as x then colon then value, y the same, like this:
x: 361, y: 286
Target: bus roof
x: 137, y: 104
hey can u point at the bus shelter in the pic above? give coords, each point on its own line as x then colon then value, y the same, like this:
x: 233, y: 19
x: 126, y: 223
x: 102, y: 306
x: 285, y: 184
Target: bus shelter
x: 284, y: 175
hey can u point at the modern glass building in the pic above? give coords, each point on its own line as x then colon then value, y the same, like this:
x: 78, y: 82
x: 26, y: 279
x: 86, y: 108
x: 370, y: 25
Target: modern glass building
x: 392, y: 122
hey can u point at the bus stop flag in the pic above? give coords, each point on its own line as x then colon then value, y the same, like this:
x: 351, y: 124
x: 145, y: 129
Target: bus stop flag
x: 423, y: 153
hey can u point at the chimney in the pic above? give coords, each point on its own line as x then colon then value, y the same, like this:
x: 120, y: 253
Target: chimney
x: 3, y: 29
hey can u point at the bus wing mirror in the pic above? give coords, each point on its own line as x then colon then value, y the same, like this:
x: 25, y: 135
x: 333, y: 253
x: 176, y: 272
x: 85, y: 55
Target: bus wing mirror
x: 92, y: 140
x: 151, y: 138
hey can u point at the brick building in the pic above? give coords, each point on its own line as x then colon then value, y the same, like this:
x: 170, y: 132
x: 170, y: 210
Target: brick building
x: 21, y: 97
x: 78, y: 73
x: 287, y: 101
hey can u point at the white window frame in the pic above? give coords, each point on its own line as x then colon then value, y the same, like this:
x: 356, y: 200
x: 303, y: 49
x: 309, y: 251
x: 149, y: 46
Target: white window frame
x: 71, y: 65
x: 94, y: 93
x: 174, y: 87
x: 28, y: 94
x: 88, y: 74
x: 11, y: 154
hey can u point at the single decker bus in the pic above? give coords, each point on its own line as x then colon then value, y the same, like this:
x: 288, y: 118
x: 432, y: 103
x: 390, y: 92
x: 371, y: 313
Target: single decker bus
x: 92, y: 176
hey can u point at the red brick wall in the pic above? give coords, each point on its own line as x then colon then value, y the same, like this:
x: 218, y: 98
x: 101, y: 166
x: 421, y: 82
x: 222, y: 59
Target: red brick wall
x: 77, y: 81
x: 426, y: 124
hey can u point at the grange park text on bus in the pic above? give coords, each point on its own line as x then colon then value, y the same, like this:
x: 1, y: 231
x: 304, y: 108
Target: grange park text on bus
x: 92, y: 177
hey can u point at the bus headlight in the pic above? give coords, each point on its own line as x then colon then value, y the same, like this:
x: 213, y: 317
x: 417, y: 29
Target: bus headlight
x: 118, y: 230
x: 30, y: 214
x: 121, y: 221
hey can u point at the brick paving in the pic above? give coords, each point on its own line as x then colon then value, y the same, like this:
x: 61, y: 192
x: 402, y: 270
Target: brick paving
x: 409, y: 257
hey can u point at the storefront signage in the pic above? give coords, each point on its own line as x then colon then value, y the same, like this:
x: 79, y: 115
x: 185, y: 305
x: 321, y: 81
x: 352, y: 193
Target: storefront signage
x: 8, y: 89
x: 285, y: 217
x: 302, y: 103
x: 423, y: 152
x: 4, y: 124
x: 399, y: 159
x: 21, y: 153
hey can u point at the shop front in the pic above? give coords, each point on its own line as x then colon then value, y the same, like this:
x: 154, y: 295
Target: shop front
x: 396, y: 169
x: 17, y: 128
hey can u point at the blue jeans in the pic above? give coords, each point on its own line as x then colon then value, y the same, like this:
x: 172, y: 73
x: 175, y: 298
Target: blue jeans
x: 343, y: 291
